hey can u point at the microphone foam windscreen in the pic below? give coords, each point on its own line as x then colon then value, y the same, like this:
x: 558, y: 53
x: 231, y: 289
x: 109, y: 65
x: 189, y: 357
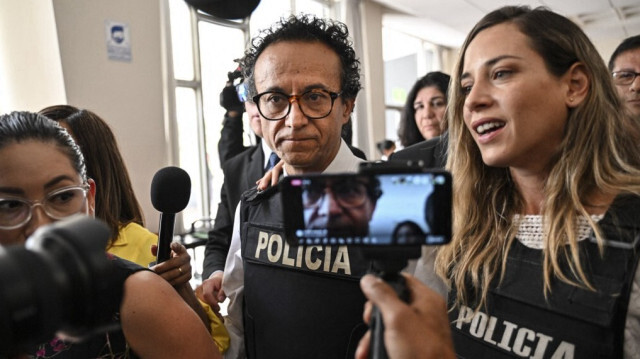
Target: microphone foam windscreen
x: 170, y: 190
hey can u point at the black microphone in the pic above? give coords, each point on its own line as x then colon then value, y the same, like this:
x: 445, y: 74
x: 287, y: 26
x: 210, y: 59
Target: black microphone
x: 170, y: 192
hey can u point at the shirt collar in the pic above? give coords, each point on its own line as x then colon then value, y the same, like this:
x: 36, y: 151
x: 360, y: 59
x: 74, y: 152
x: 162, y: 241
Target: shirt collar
x: 345, y: 161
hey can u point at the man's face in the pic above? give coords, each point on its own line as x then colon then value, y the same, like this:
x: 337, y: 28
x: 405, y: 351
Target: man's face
x: 630, y: 94
x: 294, y: 67
x: 254, y: 117
x: 341, y: 206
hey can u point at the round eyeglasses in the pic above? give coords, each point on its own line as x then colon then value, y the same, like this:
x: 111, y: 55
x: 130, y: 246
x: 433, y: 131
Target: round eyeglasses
x: 314, y: 104
x: 64, y: 202
x: 624, y: 77
x: 346, y: 194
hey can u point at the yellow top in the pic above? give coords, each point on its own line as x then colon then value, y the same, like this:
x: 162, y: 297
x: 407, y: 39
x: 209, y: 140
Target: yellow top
x: 134, y: 244
x: 218, y: 330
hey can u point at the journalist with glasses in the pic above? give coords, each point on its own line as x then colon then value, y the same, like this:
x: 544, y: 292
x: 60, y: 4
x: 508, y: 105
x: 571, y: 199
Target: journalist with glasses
x: 15, y: 212
x: 625, y: 70
x: 43, y: 179
x: 341, y: 205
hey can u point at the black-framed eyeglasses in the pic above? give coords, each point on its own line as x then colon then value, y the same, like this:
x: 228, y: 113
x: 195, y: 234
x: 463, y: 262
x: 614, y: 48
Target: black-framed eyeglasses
x: 624, y: 77
x: 15, y: 212
x: 314, y: 104
x: 347, y: 194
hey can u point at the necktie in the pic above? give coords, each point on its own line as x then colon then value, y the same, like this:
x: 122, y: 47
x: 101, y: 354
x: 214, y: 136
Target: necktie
x: 273, y: 159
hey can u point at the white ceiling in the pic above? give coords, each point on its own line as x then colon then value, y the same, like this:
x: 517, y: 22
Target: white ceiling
x: 446, y: 22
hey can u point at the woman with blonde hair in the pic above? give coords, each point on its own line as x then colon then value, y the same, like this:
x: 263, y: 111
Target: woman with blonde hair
x: 544, y: 257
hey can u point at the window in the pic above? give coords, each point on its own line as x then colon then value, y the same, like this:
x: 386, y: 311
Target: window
x: 406, y: 58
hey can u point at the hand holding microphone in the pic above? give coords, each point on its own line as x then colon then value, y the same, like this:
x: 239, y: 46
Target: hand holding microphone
x: 170, y: 192
x: 177, y: 269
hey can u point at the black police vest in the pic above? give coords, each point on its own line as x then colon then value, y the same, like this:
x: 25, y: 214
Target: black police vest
x: 572, y: 322
x: 299, y: 302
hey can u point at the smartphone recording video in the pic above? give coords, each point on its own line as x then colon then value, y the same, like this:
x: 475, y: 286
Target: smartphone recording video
x: 373, y: 209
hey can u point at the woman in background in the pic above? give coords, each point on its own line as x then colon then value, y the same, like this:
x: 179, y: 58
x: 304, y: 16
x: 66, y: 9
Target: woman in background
x: 116, y: 202
x: 423, y: 112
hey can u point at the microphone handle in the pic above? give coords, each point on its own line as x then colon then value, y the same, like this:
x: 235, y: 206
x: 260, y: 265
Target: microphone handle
x: 165, y: 236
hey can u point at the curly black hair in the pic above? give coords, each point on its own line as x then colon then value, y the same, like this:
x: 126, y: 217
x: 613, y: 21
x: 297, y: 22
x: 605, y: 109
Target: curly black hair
x: 307, y: 28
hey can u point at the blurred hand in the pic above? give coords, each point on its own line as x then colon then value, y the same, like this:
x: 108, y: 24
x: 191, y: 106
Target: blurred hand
x: 212, y: 292
x: 419, y: 329
x: 177, y: 269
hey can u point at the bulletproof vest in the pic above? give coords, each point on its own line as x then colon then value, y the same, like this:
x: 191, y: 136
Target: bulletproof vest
x: 299, y: 302
x: 572, y: 322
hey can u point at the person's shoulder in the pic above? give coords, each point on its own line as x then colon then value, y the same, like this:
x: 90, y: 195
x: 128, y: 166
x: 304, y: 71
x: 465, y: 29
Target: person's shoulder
x: 357, y: 152
x: 253, y: 194
x: 429, y: 151
x: 134, y: 234
x: 241, y: 158
x: 145, y: 278
x: 122, y: 264
x: 621, y: 222
x: 416, y: 148
x: 135, y: 229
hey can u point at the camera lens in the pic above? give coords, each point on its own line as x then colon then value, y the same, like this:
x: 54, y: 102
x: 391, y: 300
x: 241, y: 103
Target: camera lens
x: 53, y: 283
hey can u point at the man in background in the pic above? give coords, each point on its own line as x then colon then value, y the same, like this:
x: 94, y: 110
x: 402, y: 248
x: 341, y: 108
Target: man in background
x: 625, y: 69
x: 240, y: 173
x: 233, y: 98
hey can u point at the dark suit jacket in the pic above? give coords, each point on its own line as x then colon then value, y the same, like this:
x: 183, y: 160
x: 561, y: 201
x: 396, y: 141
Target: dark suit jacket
x: 432, y: 152
x: 240, y: 173
x: 231, y: 138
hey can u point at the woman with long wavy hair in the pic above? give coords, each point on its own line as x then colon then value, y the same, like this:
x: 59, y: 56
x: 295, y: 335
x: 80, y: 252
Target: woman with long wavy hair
x: 544, y: 256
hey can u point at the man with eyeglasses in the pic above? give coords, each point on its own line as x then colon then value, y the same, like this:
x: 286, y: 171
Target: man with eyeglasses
x: 296, y: 302
x: 341, y: 205
x: 625, y: 69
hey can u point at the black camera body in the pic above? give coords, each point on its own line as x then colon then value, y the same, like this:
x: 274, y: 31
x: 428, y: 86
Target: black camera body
x: 54, y: 284
x: 235, y: 93
x: 234, y: 75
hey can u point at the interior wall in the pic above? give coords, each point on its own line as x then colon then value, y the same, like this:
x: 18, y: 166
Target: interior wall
x: 128, y: 95
x: 373, y: 78
x: 30, y: 69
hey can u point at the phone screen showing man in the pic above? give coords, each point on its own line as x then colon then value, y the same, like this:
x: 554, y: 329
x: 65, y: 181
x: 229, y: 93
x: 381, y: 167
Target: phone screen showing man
x: 392, y: 209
